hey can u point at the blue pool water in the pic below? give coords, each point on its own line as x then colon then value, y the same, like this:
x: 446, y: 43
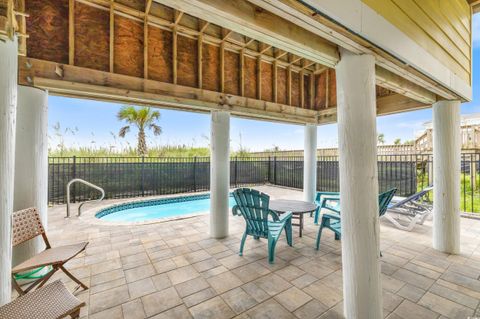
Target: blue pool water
x: 155, y: 209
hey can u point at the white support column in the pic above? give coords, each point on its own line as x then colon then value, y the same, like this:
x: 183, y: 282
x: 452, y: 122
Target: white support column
x: 446, y: 176
x: 8, y: 107
x: 310, y: 163
x: 31, y: 162
x: 357, y: 136
x: 219, y: 173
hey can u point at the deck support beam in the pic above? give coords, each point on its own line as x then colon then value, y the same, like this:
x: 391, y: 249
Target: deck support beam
x: 8, y: 109
x: 446, y: 176
x: 31, y: 162
x: 357, y: 146
x: 310, y: 163
x: 219, y: 173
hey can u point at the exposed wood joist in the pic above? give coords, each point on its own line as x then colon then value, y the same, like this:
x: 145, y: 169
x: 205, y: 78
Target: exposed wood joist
x: 242, y: 72
x: 246, y: 19
x: 112, y: 37
x: 82, y: 82
x: 148, y: 6
x: 200, y: 60
x: 136, y: 15
x: 475, y: 4
x: 174, y: 54
x: 71, y: 31
x: 203, y: 25
x: 325, y: 28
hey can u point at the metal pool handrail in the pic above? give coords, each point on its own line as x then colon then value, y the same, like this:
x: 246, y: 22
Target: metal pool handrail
x: 85, y: 183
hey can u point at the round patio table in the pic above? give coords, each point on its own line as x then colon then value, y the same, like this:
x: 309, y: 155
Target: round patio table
x: 297, y: 207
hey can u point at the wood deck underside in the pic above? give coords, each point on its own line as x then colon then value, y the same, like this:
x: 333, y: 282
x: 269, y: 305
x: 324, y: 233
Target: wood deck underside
x: 143, y: 52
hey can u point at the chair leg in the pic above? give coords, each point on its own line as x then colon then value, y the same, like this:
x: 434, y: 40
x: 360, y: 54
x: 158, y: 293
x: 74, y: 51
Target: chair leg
x: 288, y: 233
x: 319, y: 235
x: 242, y: 243
x: 256, y: 237
x: 73, y: 277
x: 317, y: 213
x: 337, y: 236
x: 271, y: 249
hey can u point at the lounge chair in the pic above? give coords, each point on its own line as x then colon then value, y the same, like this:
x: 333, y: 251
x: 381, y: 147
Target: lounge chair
x: 412, y: 209
x: 49, y: 302
x: 26, y: 226
x: 332, y: 220
x: 253, y: 206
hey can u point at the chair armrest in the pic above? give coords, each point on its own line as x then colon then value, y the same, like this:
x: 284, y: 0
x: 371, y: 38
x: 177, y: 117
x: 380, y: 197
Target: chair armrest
x: 274, y: 215
x: 330, y: 194
x: 236, y: 210
x: 329, y: 207
x: 283, y: 218
x: 332, y: 216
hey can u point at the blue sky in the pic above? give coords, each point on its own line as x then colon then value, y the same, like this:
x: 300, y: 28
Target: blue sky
x: 92, y: 123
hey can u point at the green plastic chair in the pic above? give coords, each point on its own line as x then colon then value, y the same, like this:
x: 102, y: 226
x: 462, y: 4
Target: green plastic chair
x: 253, y: 206
x: 327, y: 204
x: 332, y: 220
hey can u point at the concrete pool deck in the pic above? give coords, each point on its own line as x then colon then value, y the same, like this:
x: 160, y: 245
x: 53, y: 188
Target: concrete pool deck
x: 175, y: 270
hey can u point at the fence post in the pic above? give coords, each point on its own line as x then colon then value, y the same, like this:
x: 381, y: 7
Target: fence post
x: 269, y: 169
x: 195, y: 174
x: 143, y: 176
x: 235, y: 172
x: 74, y: 175
x: 274, y: 170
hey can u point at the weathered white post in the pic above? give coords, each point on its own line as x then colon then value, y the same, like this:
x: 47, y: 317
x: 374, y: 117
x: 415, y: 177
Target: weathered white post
x: 357, y: 145
x: 31, y: 162
x: 219, y: 173
x: 8, y: 108
x: 446, y: 176
x: 310, y: 163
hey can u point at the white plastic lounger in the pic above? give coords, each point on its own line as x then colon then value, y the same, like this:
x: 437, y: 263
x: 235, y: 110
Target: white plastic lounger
x: 410, y: 210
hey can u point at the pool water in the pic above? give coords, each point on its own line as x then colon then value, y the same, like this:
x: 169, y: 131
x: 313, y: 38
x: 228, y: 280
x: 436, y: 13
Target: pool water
x: 158, y: 209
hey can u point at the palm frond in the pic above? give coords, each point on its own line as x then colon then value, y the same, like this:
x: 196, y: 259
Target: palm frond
x: 123, y: 131
x: 157, y: 130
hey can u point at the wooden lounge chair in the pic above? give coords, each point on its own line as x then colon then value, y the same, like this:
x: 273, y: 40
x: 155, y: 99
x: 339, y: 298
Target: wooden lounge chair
x: 332, y: 220
x: 253, y: 206
x: 411, y: 209
x: 49, y: 302
x: 26, y: 226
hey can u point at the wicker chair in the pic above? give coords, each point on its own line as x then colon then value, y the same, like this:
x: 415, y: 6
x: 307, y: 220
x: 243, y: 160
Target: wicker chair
x: 26, y: 226
x: 49, y: 302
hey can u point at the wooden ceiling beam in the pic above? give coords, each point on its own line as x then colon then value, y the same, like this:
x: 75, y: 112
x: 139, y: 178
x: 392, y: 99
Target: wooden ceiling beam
x: 83, y: 82
x: 245, y: 18
x: 119, y: 9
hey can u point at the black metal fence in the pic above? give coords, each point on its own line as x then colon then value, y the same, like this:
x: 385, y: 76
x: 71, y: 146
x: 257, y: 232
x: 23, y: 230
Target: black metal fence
x: 123, y: 177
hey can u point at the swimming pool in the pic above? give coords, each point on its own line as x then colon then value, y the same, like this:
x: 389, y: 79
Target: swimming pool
x: 148, y: 210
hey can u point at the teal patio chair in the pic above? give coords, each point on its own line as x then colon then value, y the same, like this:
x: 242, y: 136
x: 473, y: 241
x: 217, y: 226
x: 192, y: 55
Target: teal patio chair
x: 329, y: 203
x: 332, y: 220
x: 253, y: 206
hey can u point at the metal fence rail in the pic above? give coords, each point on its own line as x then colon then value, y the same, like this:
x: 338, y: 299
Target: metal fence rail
x: 123, y: 177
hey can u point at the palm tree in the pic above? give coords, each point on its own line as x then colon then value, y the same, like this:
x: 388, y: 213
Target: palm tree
x: 143, y: 118
x: 381, y: 138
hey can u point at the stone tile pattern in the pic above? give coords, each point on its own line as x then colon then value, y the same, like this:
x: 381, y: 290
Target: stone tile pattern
x: 175, y: 270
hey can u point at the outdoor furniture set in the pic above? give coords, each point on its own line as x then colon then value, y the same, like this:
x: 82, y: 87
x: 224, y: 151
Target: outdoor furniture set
x: 256, y: 208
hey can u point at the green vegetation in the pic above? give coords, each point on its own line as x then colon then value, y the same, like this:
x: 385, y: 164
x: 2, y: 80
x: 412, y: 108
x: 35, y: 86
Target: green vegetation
x: 469, y: 199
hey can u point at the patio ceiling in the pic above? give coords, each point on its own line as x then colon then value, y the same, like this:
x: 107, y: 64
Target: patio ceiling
x: 191, y: 55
